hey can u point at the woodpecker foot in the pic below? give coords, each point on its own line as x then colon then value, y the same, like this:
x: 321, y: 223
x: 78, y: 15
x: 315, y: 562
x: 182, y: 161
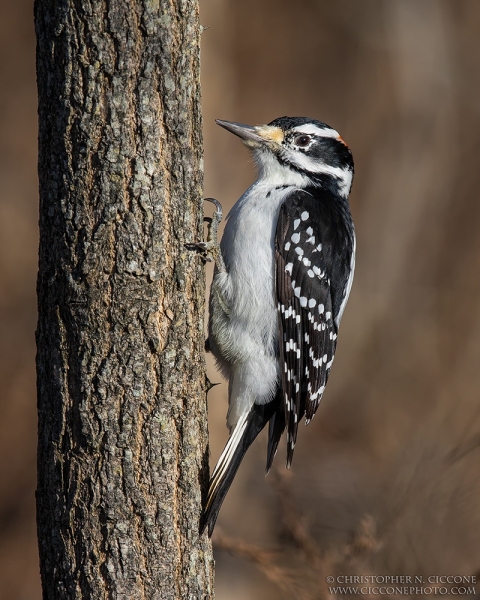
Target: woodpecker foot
x: 210, y: 250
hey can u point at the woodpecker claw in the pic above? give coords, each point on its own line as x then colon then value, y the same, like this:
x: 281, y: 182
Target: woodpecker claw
x: 201, y: 248
x: 210, y: 250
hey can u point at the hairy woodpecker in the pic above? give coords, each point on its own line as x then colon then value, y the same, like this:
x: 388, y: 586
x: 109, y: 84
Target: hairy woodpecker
x: 283, y: 274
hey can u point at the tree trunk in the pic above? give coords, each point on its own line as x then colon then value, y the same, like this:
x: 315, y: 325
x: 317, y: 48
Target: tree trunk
x: 122, y: 455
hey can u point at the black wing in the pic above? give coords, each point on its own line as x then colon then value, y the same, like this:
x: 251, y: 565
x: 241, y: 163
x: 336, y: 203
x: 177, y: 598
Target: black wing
x: 314, y: 245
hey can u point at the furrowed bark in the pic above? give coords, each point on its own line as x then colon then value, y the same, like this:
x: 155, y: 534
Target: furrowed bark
x: 123, y: 441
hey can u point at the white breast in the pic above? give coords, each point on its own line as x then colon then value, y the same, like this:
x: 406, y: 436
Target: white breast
x: 249, y: 239
x: 248, y: 251
x: 245, y: 343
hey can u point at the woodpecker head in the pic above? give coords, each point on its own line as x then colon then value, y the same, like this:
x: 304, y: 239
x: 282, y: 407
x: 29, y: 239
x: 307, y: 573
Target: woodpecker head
x: 299, y: 145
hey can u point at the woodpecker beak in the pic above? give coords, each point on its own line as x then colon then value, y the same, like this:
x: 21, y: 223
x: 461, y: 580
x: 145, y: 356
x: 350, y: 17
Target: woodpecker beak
x: 253, y: 137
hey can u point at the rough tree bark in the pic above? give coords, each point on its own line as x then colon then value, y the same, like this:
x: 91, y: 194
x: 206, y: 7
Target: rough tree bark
x: 122, y: 455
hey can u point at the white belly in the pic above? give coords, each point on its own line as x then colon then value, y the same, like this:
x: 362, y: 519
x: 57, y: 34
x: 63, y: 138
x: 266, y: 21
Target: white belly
x: 245, y: 341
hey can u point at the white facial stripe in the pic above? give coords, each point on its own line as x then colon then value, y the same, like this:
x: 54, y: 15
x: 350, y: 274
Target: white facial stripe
x: 311, y: 129
x: 277, y: 174
x: 308, y: 164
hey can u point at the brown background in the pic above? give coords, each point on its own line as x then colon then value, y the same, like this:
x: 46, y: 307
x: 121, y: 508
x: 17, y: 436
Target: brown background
x: 396, y: 442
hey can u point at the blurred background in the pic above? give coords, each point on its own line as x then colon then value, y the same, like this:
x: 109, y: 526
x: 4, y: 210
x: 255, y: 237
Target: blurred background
x: 386, y: 478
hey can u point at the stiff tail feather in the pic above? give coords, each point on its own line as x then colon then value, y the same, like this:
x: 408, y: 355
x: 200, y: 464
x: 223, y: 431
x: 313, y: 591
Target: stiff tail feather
x: 275, y: 429
x: 245, y: 431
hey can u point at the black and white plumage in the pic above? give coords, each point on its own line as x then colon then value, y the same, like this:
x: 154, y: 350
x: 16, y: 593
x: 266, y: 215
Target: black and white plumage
x: 284, y: 273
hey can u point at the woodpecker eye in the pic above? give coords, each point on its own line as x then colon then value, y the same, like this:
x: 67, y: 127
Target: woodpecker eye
x: 302, y: 140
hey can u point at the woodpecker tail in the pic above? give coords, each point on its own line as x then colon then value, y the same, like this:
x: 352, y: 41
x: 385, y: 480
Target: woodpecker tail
x: 275, y: 429
x: 245, y: 431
